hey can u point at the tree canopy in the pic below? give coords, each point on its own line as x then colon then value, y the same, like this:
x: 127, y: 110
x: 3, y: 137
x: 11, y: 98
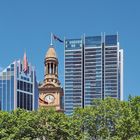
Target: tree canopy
x: 108, y: 119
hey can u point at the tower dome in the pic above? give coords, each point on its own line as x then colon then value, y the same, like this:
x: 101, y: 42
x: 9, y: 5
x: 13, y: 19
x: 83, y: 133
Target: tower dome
x: 51, y: 53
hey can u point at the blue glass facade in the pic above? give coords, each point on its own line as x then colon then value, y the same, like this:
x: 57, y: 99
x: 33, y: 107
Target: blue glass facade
x: 73, y: 74
x: 111, y: 40
x: 93, y: 69
x: 17, y: 88
x: 111, y: 71
x: 93, y: 41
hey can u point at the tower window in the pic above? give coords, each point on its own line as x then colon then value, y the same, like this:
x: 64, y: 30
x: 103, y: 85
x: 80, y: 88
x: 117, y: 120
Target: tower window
x: 51, y: 68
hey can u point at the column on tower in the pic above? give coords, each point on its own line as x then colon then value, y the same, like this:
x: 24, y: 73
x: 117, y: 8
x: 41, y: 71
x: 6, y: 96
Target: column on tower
x: 46, y: 69
x: 53, y: 68
x: 50, y: 68
x: 56, y: 69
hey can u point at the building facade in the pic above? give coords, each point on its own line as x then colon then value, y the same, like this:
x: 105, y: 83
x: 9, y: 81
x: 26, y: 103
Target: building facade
x: 93, y: 69
x: 18, y: 86
x: 50, y: 91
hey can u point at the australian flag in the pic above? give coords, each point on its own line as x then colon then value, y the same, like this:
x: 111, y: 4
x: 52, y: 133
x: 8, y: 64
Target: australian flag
x: 57, y: 38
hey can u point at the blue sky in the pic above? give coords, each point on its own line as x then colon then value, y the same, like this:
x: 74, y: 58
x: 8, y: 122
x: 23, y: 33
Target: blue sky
x: 26, y: 25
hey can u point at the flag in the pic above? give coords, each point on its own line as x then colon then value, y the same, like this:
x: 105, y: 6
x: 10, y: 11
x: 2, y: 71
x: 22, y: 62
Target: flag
x: 57, y: 38
x: 25, y: 63
x: 43, y: 101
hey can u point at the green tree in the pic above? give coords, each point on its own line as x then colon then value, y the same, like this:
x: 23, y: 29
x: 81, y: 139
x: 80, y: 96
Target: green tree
x: 108, y: 119
x: 52, y: 125
x: 17, y: 125
x: 127, y: 123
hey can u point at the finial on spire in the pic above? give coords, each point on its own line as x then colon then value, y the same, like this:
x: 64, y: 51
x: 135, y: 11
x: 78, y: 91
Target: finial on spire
x: 51, y: 39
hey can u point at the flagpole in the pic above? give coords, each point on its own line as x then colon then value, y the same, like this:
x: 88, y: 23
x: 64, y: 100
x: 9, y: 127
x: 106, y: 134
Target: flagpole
x: 51, y: 39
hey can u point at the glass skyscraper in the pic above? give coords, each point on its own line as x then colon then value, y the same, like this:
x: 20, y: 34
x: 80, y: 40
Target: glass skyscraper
x: 18, y: 87
x: 93, y: 69
x: 73, y: 74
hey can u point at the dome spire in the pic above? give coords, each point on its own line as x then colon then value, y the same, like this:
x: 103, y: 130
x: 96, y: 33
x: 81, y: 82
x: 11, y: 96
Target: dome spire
x: 51, y: 53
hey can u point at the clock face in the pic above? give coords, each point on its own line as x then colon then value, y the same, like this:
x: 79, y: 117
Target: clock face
x: 49, y: 98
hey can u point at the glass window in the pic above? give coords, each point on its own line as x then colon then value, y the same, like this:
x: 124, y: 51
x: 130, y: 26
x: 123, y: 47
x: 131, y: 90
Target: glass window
x: 21, y: 100
x: 93, y: 41
x: 31, y: 90
x: 17, y: 72
x: 28, y: 87
x: 25, y: 100
x: 31, y: 103
x: 24, y: 88
x: 28, y: 102
x: 110, y: 40
x: 18, y: 84
x: 18, y: 99
x: 8, y: 95
x: 21, y: 85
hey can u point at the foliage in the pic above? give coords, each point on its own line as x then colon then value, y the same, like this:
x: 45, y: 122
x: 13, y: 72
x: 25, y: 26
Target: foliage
x: 108, y: 119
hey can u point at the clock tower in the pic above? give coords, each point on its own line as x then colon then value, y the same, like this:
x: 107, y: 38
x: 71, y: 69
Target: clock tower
x: 50, y: 91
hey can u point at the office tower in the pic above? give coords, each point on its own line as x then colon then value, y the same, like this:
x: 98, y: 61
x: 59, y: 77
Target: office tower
x: 18, y: 86
x: 73, y: 75
x: 50, y: 90
x: 93, y: 69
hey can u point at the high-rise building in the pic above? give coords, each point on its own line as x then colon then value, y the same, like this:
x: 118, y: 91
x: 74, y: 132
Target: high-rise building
x: 73, y: 96
x: 93, y: 69
x: 50, y: 90
x: 18, y: 86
